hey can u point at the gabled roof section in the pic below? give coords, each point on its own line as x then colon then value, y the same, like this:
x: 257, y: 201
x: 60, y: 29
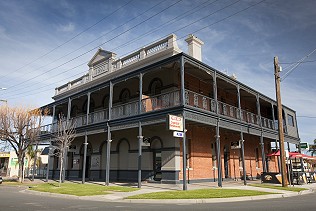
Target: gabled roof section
x: 101, y: 55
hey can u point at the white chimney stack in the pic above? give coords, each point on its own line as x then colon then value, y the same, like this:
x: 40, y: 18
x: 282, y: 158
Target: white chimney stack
x: 195, y: 47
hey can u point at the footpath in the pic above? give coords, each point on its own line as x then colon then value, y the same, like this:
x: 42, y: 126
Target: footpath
x: 154, y: 187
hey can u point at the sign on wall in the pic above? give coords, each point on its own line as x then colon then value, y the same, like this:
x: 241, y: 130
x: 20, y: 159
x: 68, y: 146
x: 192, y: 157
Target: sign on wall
x: 175, y: 123
x: 235, y: 145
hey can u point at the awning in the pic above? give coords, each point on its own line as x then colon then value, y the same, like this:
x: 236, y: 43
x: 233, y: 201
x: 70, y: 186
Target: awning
x: 292, y: 155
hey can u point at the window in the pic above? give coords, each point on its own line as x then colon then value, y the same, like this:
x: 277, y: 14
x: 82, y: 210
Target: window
x: 155, y: 86
x: 290, y: 120
x: 85, y: 106
x: 125, y: 95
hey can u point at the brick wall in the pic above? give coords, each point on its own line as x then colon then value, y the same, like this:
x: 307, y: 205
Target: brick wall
x: 201, y: 138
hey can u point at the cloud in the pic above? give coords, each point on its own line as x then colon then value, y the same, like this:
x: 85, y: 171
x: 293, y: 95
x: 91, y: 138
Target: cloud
x: 70, y: 27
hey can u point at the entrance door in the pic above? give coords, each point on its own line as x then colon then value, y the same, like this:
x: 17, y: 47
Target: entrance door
x: 157, y: 165
x: 226, y: 161
x: 87, y: 166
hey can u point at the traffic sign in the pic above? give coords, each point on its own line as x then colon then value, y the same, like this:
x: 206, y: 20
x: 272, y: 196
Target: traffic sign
x: 178, y: 134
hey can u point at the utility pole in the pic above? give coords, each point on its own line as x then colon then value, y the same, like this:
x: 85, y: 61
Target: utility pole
x: 277, y: 70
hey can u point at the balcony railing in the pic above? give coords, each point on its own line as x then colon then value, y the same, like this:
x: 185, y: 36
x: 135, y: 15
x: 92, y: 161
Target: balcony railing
x: 200, y: 101
x: 161, y: 101
x: 98, y: 116
x: 164, y: 101
x: 125, y: 110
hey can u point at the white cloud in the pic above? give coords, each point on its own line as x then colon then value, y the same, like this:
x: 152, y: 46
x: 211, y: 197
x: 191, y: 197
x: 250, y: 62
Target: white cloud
x: 70, y: 27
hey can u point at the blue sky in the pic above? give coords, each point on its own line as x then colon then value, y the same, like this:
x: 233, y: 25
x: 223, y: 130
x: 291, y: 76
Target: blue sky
x: 243, y: 44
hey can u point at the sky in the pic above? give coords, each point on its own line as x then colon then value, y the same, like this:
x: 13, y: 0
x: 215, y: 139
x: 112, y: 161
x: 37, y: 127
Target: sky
x: 44, y: 44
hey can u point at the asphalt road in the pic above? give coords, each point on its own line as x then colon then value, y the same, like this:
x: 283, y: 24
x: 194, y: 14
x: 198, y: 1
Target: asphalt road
x: 12, y: 199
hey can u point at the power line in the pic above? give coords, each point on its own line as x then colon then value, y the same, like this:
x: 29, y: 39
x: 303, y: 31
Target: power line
x: 64, y: 43
x: 312, y: 117
x: 92, y: 48
x: 69, y: 53
x: 220, y: 19
x: 192, y: 10
x: 297, y: 64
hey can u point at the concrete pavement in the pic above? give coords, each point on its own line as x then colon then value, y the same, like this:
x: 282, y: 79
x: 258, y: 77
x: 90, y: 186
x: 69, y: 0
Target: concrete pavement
x: 154, y: 187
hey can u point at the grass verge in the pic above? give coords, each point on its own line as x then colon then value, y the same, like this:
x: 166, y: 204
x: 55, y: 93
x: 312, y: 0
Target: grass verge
x: 79, y: 189
x: 14, y: 183
x: 295, y: 189
x: 199, y: 194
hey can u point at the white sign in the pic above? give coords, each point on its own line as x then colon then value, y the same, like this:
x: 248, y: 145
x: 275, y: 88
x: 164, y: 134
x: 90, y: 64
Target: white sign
x: 178, y: 134
x: 235, y: 145
x: 175, y: 123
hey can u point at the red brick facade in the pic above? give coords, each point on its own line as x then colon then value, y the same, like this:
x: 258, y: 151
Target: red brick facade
x: 202, y: 155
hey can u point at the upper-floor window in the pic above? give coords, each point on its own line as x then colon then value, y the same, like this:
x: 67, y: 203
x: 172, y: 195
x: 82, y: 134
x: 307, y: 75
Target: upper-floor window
x: 74, y: 111
x: 125, y: 95
x: 155, y: 86
x: 105, y: 101
x: 91, y: 107
x: 290, y: 120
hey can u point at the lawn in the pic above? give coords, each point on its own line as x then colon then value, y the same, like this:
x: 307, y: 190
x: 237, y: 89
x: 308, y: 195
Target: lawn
x: 79, y: 189
x: 289, y: 188
x: 199, y: 194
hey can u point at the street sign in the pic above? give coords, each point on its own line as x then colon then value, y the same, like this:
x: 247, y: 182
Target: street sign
x: 304, y: 146
x: 178, y: 134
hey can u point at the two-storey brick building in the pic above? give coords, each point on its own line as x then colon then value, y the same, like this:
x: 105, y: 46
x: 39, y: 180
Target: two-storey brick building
x: 120, y: 101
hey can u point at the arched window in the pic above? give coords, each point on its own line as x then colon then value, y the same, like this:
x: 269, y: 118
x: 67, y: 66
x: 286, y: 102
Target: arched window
x: 74, y: 111
x: 155, y: 86
x: 105, y: 101
x: 125, y: 95
x: 92, y: 106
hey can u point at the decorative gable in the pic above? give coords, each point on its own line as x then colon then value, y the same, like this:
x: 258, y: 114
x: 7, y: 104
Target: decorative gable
x: 101, y: 55
x: 101, y: 63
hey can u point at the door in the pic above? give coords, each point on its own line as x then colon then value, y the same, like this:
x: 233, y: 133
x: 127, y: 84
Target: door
x: 87, y: 167
x: 157, y: 165
x: 226, y: 161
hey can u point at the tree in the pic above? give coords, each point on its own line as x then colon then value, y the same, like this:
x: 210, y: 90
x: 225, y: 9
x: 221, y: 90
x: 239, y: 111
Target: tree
x: 312, y: 147
x: 31, y: 155
x: 20, y: 127
x: 63, y: 137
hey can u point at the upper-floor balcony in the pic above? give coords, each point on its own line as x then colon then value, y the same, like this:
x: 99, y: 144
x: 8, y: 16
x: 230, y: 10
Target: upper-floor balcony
x: 165, y: 101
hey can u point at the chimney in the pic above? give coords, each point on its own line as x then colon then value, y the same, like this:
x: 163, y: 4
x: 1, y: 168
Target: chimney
x: 195, y: 47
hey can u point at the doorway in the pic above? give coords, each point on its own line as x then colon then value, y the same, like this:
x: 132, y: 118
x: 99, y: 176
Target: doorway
x: 226, y: 161
x: 157, y: 165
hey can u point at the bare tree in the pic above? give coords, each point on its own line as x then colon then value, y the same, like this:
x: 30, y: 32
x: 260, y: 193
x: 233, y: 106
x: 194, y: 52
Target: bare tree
x: 20, y: 127
x: 63, y: 138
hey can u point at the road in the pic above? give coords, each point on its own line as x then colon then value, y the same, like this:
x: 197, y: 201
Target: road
x: 11, y: 198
